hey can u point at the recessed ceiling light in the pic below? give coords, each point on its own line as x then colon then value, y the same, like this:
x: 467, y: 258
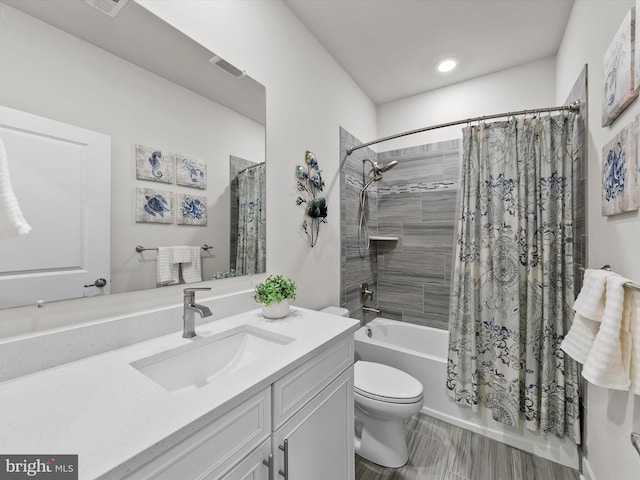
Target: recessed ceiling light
x: 447, y: 65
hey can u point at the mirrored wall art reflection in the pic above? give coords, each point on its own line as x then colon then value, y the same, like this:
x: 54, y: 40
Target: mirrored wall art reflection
x: 154, y: 164
x: 154, y: 206
x: 191, y: 172
x: 192, y: 210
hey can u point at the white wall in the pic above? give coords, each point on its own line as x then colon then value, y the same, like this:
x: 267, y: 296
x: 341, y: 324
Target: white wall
x: 611, y: 415
x: 49, y: 73
x: 525, y: 87
x: 308, y: 98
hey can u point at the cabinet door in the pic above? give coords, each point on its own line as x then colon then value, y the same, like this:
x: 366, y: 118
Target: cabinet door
x: 318, y: 440
x: 254, y: 467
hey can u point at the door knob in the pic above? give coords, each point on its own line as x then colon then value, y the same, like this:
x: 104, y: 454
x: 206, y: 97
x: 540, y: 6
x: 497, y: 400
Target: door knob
x: 100, y: 282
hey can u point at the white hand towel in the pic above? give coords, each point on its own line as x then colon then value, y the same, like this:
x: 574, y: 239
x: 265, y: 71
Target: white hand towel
x: 167, y: 270
x: 578, y: 341
x: 181, y: 254
x: 589, y: 307
x: 590, y: 302
x: 634, y: 330
x: 192, y: 271
x: 12, y: 222
x: 607, y: 363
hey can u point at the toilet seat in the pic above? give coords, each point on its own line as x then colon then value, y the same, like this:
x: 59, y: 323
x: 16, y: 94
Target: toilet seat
x: 385, y: 383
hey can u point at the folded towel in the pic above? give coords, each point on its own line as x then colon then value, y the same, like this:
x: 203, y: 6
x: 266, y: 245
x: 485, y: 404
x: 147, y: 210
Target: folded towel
x: 191, y: 270
x: 634, y: 331
x: 589, y: 307
x: 181, y: 254
x: 167, y: 270
x: 12, y: 222
x: 607, y: 364
x: 590, y: 302
x: 578, y: 341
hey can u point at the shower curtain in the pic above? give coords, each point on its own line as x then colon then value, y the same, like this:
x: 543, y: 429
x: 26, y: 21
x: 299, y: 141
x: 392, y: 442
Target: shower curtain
x: 251, y: 250
x: 512, y: 289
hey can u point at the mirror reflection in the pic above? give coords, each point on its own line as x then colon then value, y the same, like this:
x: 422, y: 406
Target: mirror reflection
x: 136, y: 81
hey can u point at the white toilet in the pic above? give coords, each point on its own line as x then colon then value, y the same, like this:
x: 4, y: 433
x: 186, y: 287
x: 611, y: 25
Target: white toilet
x: 384, y: 398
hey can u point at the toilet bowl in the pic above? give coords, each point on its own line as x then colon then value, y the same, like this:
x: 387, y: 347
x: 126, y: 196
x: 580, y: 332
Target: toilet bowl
x: 384, y: 398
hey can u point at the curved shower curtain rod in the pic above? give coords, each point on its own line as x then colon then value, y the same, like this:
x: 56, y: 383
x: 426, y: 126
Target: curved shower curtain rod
x: 574, y: 107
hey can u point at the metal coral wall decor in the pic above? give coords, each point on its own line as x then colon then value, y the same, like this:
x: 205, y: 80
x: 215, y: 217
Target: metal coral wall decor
x: 310, y: 184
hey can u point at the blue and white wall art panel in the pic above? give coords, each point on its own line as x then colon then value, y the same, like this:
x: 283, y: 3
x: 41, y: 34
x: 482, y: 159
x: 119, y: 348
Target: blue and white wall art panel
x: 620, y: 172
x: 192, y: 210
x: 191, y: 172
x: 619, y: 86
x: 154, y: 164
x: 154, y: 206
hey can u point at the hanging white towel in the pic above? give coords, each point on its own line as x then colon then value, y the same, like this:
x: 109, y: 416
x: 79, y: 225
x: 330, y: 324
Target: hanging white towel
x: 589, y: 308
x: 12, y: 222
x: 167, y: 270
x: 192, y: 271
x: 181, y: 254
x: 634, y: 330
x: 607, y: 363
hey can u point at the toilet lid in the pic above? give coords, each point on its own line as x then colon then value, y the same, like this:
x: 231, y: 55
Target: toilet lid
x: 385, y: 383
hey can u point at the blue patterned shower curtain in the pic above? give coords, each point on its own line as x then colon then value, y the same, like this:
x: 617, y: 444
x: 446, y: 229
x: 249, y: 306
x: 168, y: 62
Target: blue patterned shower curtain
x: 512, y: 289
x: 251, y: 251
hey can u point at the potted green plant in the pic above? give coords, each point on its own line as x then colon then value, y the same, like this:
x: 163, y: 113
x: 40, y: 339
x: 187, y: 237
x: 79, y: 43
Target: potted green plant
x: 275, y: 294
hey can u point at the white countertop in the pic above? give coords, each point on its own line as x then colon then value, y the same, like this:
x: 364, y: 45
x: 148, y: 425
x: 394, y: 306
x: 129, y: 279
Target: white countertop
x: 114, y: 417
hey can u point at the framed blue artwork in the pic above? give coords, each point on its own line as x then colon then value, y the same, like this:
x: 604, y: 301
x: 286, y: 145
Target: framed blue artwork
x: 620, y: 172
x: 191, y: 210
x: 154, y: 206
x: 154, y: 164
x: 619, y: 60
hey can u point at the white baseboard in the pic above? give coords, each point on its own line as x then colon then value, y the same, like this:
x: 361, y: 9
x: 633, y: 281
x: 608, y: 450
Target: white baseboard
x: 587, y: 473
x: 570, y: 458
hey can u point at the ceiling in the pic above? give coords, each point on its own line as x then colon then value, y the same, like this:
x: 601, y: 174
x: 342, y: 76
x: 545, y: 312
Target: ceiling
x: 145, y: 40
x: 390, y: 48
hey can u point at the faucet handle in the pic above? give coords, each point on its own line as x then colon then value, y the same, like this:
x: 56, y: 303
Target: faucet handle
x: 192, y: 290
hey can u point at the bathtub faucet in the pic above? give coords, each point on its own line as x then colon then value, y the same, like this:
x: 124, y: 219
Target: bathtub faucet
x: 365, y: 292
x: 377, y: 311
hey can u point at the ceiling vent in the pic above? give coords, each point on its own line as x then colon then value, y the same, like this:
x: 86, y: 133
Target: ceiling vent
x: 226, y: 67
x: 108, y: 7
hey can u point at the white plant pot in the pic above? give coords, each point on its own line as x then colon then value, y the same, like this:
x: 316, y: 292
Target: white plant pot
x: 276, y: 310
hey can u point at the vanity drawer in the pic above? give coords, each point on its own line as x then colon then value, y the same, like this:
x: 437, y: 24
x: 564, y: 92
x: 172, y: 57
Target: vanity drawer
x: 297, y: 388
x: 215, y: 448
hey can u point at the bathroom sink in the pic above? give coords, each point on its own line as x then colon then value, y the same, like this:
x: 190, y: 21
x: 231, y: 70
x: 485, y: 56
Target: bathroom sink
x: 207, y: 358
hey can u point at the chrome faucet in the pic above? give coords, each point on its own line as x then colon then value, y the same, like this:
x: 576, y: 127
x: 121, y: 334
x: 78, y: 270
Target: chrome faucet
x: 190, y: 309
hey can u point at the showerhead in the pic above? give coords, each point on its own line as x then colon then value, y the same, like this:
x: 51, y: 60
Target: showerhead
x: 378, y: 170
x: 388, y: 166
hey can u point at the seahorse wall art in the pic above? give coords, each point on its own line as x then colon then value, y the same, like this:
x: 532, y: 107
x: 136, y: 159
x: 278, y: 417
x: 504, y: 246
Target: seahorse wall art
x: 154, y: 164
x: 620, y: 172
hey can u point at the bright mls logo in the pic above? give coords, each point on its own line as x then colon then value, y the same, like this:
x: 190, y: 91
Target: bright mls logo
x: 49, y: 467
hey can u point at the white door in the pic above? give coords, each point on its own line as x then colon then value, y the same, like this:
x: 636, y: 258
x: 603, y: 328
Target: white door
x: 61, y: 175
x: 318, y: 441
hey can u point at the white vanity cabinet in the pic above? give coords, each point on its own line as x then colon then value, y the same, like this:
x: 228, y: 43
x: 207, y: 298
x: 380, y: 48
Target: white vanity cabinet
x: 298, y: 428
x: 317, y: 443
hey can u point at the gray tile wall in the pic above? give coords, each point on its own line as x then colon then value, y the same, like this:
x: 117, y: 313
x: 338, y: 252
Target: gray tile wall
x: 415, y: 201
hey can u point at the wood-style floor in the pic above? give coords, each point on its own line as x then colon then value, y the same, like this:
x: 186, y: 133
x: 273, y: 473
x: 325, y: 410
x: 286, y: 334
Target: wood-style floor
x: 440, y: 451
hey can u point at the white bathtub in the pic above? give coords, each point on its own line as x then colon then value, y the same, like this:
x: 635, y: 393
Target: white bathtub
x: 422, y: 352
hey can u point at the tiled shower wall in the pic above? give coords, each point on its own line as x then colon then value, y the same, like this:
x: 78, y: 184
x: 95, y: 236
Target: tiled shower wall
x: 415, y: 202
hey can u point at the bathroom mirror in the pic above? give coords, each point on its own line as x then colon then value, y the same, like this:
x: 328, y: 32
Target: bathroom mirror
x: 140, y: 81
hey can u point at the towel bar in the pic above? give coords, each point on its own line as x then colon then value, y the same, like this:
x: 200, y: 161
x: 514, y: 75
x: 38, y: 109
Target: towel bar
x: 141, y: 249
x: 631, y: 285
